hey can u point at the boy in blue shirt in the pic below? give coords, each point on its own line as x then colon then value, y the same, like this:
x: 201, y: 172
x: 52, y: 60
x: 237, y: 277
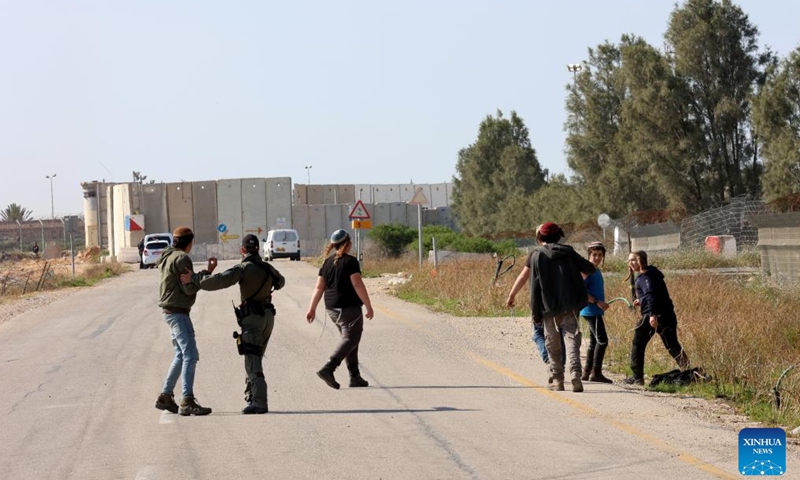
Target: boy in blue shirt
x: 593, y: 314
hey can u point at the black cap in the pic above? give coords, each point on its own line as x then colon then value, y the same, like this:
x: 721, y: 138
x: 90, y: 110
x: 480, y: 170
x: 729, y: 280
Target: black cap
x: 339, y: 236
x: 250, y: 242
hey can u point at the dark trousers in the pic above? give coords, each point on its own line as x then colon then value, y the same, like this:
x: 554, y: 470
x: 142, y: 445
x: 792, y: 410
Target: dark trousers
x: 350, y: 322
x: 598, y: 342
x: 668, y: 331
x: 256, y: 330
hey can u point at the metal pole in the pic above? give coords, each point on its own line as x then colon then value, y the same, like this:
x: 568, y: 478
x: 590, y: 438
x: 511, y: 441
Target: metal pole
x: 419, y: 228
x: 40, y: 221
x: 20, y: 235
x: 435, y: 253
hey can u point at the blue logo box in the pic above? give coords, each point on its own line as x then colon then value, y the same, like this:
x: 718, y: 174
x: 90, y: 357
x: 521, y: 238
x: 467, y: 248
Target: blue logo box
x: 762, y: 451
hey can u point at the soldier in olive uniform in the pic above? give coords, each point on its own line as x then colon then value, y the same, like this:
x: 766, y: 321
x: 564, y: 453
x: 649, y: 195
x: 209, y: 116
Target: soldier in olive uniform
x: 256, y: 314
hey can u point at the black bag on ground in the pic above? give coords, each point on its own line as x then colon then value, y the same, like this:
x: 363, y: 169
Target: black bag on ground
x: 680, y: 377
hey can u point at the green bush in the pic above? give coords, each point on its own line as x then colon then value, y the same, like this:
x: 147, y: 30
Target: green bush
x: 392, y: 238
x: 447, y: 239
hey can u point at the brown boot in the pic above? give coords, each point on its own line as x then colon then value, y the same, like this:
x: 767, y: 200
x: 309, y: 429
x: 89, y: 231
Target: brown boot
x: 189, y: 406
x: 597, y: 376
x: 585, y: 376
x: 166, y: 401
x: 577, y: 386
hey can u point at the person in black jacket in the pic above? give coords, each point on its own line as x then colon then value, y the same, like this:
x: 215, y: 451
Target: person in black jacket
x: 557, y: 295
x: 658, y: 316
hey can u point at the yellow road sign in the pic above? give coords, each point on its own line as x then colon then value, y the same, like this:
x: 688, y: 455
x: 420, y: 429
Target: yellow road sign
x: 361, y: 224
x: 226, y: 236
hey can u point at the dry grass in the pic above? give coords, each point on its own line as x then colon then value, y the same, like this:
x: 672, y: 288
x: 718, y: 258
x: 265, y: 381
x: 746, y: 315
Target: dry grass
x: 740, y: 330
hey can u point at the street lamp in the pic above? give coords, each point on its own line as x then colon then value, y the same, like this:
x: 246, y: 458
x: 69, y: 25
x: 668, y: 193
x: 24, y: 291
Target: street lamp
x: 574, y: 68
x: 52, y: 204
x: 308, y: 172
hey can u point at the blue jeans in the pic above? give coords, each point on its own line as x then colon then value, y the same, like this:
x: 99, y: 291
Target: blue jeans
x: 538, y: 339
x: 186, y: 355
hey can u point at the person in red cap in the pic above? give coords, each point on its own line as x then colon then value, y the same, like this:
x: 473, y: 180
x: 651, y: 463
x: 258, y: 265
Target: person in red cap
x: 557, y: 294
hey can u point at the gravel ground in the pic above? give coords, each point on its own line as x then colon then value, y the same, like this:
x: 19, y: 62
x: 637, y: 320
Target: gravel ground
x: 11, y: 307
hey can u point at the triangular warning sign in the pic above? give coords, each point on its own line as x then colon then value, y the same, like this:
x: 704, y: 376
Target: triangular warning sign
x: 359, y: 212
x: 419, y: 198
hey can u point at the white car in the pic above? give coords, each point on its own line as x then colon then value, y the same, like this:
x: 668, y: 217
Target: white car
x: 283, y: 243
x: 167, y: 237
x: 152, y: 252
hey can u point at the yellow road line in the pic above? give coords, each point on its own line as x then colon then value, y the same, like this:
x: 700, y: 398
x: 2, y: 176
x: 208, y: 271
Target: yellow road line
x: 586, y: 409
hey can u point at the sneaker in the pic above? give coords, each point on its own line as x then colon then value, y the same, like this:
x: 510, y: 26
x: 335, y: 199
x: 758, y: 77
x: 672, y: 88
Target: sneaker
x: 166, y: 401
x: 189, y: 406
x: 357, y: 381
x: 633, y: 381
x: 254, y: 409
x: 326, y: 374
x: 577, y: 386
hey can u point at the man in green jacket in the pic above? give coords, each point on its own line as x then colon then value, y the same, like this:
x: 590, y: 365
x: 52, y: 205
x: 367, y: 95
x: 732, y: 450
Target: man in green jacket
x: 176, y: 302
x: 256, y: 314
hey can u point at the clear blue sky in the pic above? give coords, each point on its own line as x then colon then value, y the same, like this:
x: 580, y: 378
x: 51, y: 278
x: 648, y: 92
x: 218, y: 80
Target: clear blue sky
x: 364, y: 92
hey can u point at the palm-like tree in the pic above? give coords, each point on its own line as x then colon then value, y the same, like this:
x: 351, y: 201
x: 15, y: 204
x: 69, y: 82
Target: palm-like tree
x: 15, y: 212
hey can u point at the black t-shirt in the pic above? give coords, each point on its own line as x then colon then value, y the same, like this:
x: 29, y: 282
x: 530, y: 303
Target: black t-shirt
x: 339, y: 291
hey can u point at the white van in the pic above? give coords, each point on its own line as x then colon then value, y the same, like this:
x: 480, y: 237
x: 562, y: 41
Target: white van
x: 282, y: 243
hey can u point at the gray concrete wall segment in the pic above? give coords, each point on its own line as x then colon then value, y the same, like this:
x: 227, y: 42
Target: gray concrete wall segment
x: 300, y: 194
x: 363, y: 192
x: 399, y: 213
x: 229, y: 214
x: 300, y: 215
x: 91, y: 224
x: 389, y: 193
x: 204, y: 206
x: 279, y: 203
x: 154, y: 207
x: 180, y: 206
x: 315, y: 194
x: 334, y: 220
x: 109, y: 214
x: 254, y: 206
x: 330, y: 194
x: 381, y: 214
x: 347, y: 193
x: 407, y: 191
x: 317, y: 222
x: 121, y: 207
x: 439, y: 195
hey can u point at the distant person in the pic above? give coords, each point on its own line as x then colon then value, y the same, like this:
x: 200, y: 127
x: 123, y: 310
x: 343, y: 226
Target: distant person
x: 658, y: 316
x: 340, y: 281
x: 557, y: 294
x: 35, y: 248
x: 176, y: 300
x: 255, y: 314
x: 141, y: 253
x: 593, y: 315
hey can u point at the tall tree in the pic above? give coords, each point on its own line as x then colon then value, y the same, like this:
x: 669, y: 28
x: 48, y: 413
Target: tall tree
x: 716, y: 56
x: 15, y: 212
x: 494, y: 175
x: 776, y: 115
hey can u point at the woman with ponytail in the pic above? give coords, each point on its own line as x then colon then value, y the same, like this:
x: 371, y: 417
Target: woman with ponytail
x: 340, y: 282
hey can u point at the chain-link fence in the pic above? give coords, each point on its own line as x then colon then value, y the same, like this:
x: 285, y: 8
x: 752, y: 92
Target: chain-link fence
x: 727, y: 219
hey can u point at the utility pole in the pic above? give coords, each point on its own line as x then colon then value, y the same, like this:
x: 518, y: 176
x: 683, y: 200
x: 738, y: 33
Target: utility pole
x: 308, y: 172
x: 52, y: 203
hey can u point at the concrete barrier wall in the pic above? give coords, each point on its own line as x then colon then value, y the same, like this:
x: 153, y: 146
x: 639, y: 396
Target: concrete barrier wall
x: 229, y: 216
x: 659, y: 242
x: 180, y: 207
x: 779, y: 245
x: 153, y: 201
x: 363, y: 192
x: 121, y: 207
x: 204, y: 206
x: 254, y: 206
x: 279, y: 203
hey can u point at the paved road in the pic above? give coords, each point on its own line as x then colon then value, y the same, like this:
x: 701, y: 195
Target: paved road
x: 80, y: 376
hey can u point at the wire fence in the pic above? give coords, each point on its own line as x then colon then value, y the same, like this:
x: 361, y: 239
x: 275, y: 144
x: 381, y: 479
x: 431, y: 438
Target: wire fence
x: 727, y: 219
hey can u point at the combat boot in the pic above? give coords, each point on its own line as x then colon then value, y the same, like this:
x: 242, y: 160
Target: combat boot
x: 254, y: 409
x: 577, y: 386
x: 633, y: 381
x: 586, y: 373
x: 166, y: 401
x: 189, y: 406
x: 357, y: 381
x: 326, y: 373
x: 597, y: 376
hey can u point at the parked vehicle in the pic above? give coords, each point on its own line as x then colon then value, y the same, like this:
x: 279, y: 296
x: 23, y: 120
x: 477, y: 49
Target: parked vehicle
x: 165, y: 237
x: 283, y: 243
x: 152, y: 252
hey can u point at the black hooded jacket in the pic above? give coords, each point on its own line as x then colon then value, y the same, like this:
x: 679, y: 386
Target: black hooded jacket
x: 651, y: 290
x: 556, y: 282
